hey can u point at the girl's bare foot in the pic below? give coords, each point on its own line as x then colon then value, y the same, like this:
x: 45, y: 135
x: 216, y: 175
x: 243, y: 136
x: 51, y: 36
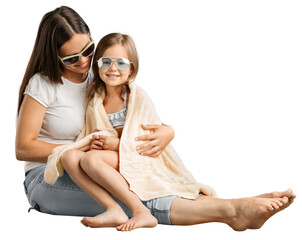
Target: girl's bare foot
x: 111, y: 218
x: 252, y: 213
x: 139, y: 220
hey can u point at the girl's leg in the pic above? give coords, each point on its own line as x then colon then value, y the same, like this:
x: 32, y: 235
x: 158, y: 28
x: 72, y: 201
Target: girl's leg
x: 114, y: 215
x: 101, y: 166
x: 240, y: 214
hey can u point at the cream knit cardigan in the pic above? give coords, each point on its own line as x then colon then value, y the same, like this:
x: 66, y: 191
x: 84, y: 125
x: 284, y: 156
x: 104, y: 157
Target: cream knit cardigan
x: 148, y: 177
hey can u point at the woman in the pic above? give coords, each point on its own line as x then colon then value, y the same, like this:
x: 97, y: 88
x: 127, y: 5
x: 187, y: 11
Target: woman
x: 51, y: 111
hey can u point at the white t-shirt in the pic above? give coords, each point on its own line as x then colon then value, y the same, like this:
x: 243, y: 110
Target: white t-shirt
x: 65, y: 109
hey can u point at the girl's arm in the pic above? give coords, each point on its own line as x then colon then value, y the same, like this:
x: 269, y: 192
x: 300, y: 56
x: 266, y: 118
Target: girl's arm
x: 157, y: 140
x: 30, y: 119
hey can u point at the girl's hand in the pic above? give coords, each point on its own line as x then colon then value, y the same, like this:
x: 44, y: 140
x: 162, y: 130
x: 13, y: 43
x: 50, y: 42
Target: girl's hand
x: 105, y: 142
x: 156, y: 141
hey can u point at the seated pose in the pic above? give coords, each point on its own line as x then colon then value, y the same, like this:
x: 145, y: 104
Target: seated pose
x: 51, y: 113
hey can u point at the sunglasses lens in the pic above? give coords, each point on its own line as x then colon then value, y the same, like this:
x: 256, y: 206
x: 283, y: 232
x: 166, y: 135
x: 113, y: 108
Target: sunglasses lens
x: 89, y: 50
x: 104, y: 63
x: 70, y: 61
x: 122, y: 63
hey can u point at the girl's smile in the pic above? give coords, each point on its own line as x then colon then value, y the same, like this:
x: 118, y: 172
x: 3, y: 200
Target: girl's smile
x: 112, y: 76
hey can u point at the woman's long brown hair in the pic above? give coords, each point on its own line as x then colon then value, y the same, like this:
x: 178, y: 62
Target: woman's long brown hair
x: 56, y: 27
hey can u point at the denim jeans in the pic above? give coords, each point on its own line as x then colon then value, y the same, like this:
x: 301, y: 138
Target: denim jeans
x: 66, y: 198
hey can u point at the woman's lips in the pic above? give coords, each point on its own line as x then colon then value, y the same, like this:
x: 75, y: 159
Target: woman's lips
x: 83, y: 65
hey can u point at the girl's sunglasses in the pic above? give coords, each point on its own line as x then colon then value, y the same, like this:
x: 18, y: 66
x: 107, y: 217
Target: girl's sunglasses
x: 121, y: 63
x: 73, y: 59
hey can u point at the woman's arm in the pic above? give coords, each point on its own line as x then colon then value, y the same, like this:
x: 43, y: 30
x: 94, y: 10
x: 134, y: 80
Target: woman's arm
x: 30, y: 119
x: 157, y: 140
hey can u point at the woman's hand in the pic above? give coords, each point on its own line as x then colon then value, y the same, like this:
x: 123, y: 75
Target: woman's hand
x: 156, y: 141
x: 101, y: 142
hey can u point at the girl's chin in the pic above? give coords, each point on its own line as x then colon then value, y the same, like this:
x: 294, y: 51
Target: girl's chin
x: 113, y: 84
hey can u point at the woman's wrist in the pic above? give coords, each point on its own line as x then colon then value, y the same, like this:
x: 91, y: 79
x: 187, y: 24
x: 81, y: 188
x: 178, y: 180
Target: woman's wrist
x: 171, y: 132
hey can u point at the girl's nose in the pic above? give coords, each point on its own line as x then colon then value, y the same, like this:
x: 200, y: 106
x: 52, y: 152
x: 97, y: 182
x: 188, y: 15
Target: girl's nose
x: 113, y: 66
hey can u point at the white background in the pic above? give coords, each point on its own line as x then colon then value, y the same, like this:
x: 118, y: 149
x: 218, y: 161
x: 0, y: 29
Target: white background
x: 225, y: 74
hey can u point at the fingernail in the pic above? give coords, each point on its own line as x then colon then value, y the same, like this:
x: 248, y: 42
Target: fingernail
x: 141, y: 154
x: 138, y: 148
x: 136, y: 139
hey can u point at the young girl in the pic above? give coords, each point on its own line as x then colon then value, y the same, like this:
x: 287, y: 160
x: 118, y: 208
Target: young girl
x: 115, y: 64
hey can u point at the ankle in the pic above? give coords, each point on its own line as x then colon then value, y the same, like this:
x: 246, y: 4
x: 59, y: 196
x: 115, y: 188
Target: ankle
x: 114, y: 207
x: 140, y: 210
x: 231, y: 208
x: 228, y: 211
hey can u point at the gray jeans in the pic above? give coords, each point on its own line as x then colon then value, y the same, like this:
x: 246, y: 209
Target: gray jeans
x: 66, y: 198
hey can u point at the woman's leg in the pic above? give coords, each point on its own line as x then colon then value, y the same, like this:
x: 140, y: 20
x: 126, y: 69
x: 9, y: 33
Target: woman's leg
x: 102, y: 166
x: 240, y: 214
x: 62, y: 198
x: 114, y: 215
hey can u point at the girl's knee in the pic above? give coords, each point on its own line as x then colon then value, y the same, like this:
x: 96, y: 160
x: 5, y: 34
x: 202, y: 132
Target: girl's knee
x: 70, y: 158
x: 90, y: 161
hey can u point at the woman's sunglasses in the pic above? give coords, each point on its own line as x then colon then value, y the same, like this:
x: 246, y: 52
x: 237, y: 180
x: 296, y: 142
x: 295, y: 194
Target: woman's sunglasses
x: 73, y: 59
x: 121, y: 63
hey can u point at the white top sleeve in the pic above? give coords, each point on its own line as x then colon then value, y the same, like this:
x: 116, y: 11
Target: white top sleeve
x: 40, y: 89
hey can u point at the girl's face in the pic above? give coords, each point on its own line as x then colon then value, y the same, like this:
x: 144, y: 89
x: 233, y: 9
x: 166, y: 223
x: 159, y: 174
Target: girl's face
x: 75, y: 45
x: 113, y: 76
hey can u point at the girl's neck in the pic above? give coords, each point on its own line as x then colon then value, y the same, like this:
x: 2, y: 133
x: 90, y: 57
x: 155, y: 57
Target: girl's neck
x: 113, y: 91
x: 74, y: 77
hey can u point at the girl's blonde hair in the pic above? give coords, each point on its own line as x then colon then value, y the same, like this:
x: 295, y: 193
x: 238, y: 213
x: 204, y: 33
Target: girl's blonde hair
x: 98, y: 86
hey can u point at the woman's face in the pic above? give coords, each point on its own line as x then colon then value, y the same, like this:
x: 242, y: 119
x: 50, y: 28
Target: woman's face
x: 73, y: 46
x: 113, y: 76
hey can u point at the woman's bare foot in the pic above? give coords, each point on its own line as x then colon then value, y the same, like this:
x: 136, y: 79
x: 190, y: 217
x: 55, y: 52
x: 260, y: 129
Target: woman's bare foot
x: 288, y: 193
x: 252, y: 213
x: 111, y: 218
x: 139, y: 220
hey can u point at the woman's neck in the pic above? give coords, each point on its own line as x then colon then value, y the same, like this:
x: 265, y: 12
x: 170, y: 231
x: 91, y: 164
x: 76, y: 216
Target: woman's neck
x: 74, y: 77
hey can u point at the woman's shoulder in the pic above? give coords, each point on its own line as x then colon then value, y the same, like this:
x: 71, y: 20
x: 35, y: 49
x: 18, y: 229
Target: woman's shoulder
x: 39, y: 80
x: 41, y: 89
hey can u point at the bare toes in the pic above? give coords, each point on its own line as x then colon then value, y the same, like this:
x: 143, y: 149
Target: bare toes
x: 119, y: 228
x: 275, y: 206
x: 269, y: 207
x: 127, y: 227
x: 84, y: 223
x: 284, y: 200
x: 130, y: 227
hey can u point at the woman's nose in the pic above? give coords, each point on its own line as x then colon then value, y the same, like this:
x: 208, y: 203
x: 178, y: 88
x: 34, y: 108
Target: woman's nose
x: 83, y: 59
